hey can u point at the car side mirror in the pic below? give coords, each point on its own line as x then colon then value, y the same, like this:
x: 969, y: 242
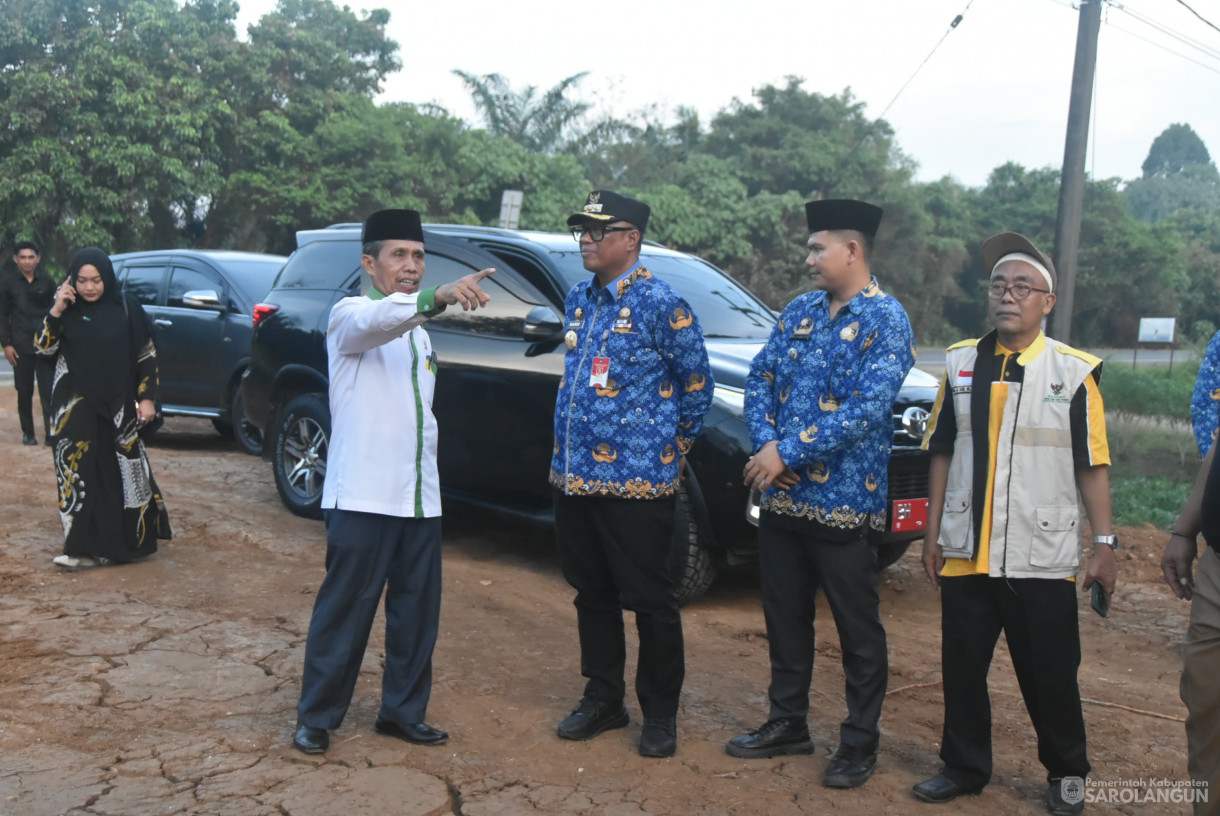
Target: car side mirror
x: 542, y: 325
x: 203, y: 299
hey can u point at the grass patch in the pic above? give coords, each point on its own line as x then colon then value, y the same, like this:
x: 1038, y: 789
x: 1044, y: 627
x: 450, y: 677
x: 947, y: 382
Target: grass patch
x: 1151, y: 500
x: 1152, y: 390
x: 1153, y: 465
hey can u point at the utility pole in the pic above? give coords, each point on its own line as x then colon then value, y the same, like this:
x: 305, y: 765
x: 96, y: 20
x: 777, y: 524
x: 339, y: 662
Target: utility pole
x: 1071, y: 181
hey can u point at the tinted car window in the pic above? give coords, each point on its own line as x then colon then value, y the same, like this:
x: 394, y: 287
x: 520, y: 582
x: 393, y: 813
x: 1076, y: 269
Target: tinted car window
x: 724, y: 307
x: 504, y: 316
x: 186, y: 280
x: 319, y: 264
x: 253, y: 278
x: 144, y: 283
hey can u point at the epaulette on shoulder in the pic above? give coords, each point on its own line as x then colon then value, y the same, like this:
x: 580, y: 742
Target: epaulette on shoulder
x: 1092, y: 360
x: 963, y: 344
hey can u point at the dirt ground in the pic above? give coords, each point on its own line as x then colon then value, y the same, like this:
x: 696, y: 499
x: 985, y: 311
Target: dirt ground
x: 169, y: 687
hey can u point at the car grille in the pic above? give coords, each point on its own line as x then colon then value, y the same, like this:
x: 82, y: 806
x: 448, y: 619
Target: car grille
x: 909, y: 483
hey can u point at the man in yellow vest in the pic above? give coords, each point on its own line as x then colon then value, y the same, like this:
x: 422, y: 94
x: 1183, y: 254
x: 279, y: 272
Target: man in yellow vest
x: 1017, y: 432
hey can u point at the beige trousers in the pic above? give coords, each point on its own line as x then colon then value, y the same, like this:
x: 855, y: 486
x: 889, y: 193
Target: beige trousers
x: 1201, y: 684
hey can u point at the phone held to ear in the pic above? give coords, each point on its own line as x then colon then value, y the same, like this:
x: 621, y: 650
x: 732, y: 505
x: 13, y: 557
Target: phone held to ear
x: 1101, y: 600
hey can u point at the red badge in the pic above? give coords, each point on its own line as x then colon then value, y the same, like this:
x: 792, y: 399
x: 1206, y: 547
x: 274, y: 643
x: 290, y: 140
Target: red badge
x: 600, y: 372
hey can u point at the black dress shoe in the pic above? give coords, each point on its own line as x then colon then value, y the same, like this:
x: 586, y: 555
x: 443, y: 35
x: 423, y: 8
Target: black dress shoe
x: 1057, y: 802
x: 311, y: 740
x: 415, y: 733
x: 28, y: 439
x: 940, y: 789
x: 850, y: 767
x: 787, y: 735
x: 591, y: 717
x: 660, y: 738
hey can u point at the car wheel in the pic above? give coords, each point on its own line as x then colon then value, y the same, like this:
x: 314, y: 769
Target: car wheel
x: 697, y: 565
x: 889, y: 553
x: 248, y: 437
x: 302, y: 439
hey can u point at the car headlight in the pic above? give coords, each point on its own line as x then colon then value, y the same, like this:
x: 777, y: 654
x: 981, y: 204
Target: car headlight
x: 730, y: 400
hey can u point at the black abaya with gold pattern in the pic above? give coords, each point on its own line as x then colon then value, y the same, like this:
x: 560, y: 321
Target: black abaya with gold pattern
x: 109, y: 502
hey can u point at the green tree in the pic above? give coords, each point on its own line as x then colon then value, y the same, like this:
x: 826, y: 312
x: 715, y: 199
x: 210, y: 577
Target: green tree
x: 110, y: 118
x: 1175, y: 149
x: 542, y: 123
x: 302, y: 85
x: 1178, y: 174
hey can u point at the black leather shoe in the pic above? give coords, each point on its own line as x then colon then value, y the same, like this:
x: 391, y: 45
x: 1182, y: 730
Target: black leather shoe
x: 311, y: 740
x: 591, y: 717
x: 660, y: 738
x: 1056, y: 800
x: 416, y: 733
x: 850, y: 767
x: 28, y: 439
x: 940, y: 789
x: 788, y: 735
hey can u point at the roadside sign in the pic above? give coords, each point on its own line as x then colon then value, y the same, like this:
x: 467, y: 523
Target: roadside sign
x: 510, y: 208
x: 1157, y: 329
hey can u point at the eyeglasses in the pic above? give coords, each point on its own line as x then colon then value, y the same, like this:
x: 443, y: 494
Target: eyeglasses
x: 597, y: 233
x: 1019, y: 291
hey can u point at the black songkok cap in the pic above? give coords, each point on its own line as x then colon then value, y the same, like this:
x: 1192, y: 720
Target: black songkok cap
x: 604, y: 206
x: 392, y: 225
x: 843, y: 214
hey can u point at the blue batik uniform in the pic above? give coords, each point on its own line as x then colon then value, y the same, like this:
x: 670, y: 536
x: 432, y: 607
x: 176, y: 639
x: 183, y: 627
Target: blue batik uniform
x: 824, y: 389
x: 624, y: 439
x: 1205, y: 403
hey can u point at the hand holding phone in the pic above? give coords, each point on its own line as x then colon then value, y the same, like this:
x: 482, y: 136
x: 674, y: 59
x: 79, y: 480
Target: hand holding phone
x: 65, y: 296
x: 1101, y: 600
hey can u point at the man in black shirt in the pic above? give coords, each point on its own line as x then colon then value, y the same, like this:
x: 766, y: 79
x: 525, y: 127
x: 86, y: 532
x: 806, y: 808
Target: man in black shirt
x: 25, y: 299
x: 1201, y: 651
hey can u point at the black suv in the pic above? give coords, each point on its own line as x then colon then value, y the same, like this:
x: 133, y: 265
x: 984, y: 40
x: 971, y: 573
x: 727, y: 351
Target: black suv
x: 199, y: 303
x: 499, y: 369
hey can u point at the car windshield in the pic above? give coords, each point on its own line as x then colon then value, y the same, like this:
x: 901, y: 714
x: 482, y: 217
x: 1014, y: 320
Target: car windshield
x: 253, y: 277
x: 724, y: 307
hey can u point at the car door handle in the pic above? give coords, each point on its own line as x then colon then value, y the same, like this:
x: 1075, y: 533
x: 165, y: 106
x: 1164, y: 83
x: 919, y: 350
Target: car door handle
x: 161, y: 321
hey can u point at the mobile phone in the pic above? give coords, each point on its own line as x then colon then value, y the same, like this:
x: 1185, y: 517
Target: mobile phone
x: 1101, y: 600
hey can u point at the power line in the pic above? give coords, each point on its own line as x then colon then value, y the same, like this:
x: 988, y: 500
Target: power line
x: 1169, y: 32
x: 1197, y: 14
x: 1164, y: 48
x: 952, y: 25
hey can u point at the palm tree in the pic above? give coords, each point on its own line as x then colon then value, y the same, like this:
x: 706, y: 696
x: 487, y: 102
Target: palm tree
x: 540, y: 123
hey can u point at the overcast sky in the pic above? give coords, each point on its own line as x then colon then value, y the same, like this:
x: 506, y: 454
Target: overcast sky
x: 995, y: 90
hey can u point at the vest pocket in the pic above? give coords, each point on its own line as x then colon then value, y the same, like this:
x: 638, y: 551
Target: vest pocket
x: 1056, y: 537
x: 957, y: 525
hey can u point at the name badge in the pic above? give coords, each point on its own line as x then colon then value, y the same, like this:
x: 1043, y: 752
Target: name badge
x: 600, y: 372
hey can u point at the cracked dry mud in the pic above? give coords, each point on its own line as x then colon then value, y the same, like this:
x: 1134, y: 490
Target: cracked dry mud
x: 169, y: 687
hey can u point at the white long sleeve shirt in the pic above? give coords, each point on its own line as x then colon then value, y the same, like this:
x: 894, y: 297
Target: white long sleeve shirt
x: 382, y: 456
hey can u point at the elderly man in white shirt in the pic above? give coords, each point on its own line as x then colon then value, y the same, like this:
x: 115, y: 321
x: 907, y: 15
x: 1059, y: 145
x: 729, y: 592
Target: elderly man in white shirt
x: 382, y: 496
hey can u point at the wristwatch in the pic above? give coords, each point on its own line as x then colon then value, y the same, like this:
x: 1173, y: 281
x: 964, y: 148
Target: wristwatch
x: 1110, y: 541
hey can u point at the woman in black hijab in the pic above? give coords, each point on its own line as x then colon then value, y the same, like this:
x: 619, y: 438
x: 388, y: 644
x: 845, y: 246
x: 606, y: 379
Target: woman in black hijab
x: 105, y: 389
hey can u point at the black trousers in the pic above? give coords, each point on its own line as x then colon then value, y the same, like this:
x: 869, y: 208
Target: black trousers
x: 795, y: 559
x: 31, y: 366
x: 365, y: 553
x: 619, y: 554
x: 1038, y: 616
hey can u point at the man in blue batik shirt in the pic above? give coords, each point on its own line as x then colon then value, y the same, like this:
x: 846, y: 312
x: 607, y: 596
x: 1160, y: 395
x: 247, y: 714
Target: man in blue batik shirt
x: 1205, y: 403
x: 635, y: 388
x: 819, y: 403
